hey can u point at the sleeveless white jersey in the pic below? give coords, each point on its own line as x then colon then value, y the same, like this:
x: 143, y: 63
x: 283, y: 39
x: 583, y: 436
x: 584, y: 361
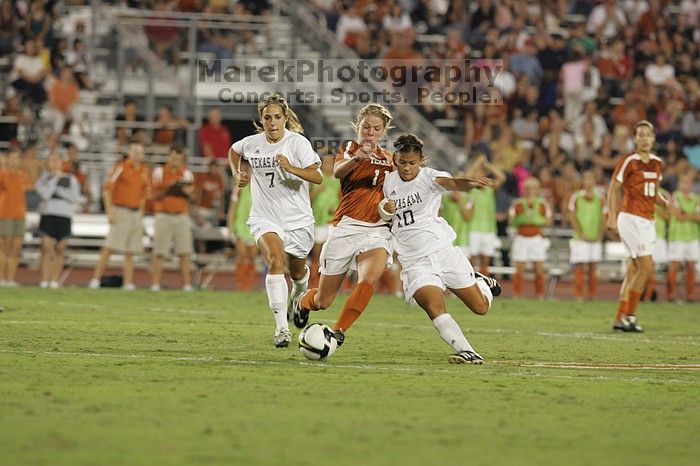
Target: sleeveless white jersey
x: 279, y: 196
x: 417, y: 228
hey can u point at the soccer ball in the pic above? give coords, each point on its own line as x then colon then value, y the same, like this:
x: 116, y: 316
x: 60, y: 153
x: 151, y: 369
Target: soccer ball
x: 317, y: 341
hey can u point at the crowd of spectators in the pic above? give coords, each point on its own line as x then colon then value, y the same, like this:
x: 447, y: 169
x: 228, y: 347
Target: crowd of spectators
x: 578, y: 74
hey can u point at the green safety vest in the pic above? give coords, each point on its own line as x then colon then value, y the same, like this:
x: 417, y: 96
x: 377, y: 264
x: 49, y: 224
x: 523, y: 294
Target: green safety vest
x: 589, y: 214
x: 326, y: 201
x: 452, y: 214
x: 660, y: 222
x: 484, y: 205
x: 245, y: 203
x: 684, y: 230
x: 530, y: 215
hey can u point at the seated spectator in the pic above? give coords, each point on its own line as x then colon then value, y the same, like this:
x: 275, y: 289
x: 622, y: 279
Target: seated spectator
x: 214, y: 138
x: 164, y: 40
x: 9, y: 28
x: 506, y: 149
x: 37, y: 22
x: 615, y: 67
x: 81, y: 63
x: 13, y: 116
x: 660, y: 73
x: 690, y: 125
x: 606, y: 20
x: 63, y: 95
x: 397, y: 19
x: 168, y: 126
x: 13, y: 209
x: 59, y: 193
x: 591, y: 114
x: 59, y: 52
x: 28, y: 73
x: 349, y: 24
x: 525, y: 62
x: 558, y: 138
x: 126, y: 134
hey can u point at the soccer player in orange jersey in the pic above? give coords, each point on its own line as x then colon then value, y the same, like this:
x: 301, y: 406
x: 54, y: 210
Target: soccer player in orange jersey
x: 633, y: 192
x: 358, y: 237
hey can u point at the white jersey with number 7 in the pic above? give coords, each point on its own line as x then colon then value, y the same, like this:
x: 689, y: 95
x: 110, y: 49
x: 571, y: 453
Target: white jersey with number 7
x: 277, y: 195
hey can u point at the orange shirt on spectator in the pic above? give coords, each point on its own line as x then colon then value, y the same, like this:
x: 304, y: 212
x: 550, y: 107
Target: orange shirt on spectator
x: 13, y: 185
x: 163, y: 177
x: 127, y: 184
x: 63, y: 96
x: 208, y: 187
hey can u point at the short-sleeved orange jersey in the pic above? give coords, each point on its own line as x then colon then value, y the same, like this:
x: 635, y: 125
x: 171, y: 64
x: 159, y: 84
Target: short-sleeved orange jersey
x: 164, y: 176
x: 640, y: 183
x: 362, y: 188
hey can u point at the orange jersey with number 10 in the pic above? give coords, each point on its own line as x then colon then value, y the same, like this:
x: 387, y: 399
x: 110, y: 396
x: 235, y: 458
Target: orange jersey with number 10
x: 361, y: 188
x: 640, y: 183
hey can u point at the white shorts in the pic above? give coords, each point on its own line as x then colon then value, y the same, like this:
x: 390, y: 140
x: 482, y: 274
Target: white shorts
x: 448, y: 268
x: 320, y: 234
x: 483, y: 244
x: 638, y: 234
x: 529, y: 249
x: 660, y: 253
x: 684, y: 251
x: 583, y: 252
x: 339, y: 253
x: 297, y: 243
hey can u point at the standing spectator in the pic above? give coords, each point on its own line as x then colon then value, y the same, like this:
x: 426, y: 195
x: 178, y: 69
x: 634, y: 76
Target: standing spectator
x: 124, y: 197
x: 59, y: 194
x: 168, y: 126
x: 580, y: 82
x: 214, y: 138
x: 13, y: 208
x: 172, y: 185
x: 28, y: 73
x: 63, y: 95
x: 660, y: 253
x: 481, y: 209
x: 529, y: 214
x: 246, y: 249
x: 208, y: 195
x: 71, y: 165
x: 125, y: 133
x: 684, y: 236
x: 586, y: 217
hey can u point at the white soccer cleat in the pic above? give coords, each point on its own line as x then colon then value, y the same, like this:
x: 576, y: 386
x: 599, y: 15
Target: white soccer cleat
x: 54, y: 285
x: 155, y: 287
x: 94, y: 284
x: 129, y: 287
x: 43, y: 284
x: 187, y: 288
x: 282, y: 338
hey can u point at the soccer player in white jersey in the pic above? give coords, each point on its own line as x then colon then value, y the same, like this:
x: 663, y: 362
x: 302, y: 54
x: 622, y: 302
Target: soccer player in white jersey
x: 283, y: 164
x: 423, y: 243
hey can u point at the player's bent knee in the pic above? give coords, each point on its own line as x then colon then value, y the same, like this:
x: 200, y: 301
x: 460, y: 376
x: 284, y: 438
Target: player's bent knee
x: 481, y: 309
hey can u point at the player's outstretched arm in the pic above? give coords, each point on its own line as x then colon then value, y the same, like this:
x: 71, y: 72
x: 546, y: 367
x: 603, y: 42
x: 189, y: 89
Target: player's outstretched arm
x: 463, y: 184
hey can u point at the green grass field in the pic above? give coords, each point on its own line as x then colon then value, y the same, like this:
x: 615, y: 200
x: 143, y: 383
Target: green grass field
x: 109, y: 377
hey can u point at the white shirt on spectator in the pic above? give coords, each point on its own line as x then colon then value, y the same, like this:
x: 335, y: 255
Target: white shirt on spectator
x: 599, y: 16
x: 31, y: 66
x: 634, y: 9
x: 691, y: 8
x: 347, y: 24
x: 659, y: 75
x: 393, y: 23
x: 566, y: 142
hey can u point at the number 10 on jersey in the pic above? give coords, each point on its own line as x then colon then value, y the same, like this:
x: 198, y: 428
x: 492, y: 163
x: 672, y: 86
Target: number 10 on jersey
x: 650, y: 188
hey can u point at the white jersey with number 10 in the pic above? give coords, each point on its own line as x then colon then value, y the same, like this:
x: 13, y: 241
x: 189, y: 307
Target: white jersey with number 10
x: 277, y: 195
x: 417, y: 228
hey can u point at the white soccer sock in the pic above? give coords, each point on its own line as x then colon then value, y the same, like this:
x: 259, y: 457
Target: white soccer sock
x: 301, y: 285
x: 451, y: 333
x: 276, y: 287
x: 485, y: 290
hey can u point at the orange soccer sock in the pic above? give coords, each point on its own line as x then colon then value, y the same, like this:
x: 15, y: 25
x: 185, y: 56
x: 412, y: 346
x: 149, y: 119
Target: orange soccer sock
x: 649, y: 290
x: 671, y: 284
x: 251, y: 276
x: 621, y: 310
x: 307, y: 300
x: 634, y: 297
x: 592, y: 282
x: 539, y: 285
x: 690, y: 281
x: 354, y: 306
x: 517, y: 284
x: 578, y: 281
